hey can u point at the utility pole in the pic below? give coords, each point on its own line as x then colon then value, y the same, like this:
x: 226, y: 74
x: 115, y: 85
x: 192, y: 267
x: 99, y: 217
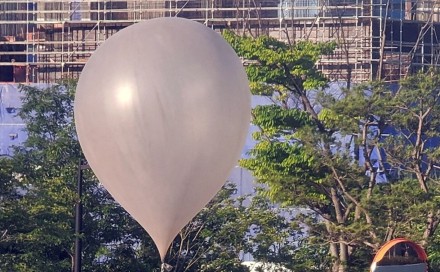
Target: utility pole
x: 79, y: 216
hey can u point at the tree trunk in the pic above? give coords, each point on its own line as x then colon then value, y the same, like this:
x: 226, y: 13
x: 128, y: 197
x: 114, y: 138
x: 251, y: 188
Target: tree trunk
x: 333, y: 248
x: 432, y: 222
x: 343, y: 257
x: 335, y: 257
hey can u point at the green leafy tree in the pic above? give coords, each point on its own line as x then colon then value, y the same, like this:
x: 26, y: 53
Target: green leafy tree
x: 403, y: 125
x: 13, y: 217
x: 294, y: 155
x: 47, y: 168
x: 325, y: 150
x: 228, y: 227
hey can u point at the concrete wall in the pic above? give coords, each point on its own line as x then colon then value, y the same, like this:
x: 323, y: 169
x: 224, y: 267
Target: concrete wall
x: 402, y: 268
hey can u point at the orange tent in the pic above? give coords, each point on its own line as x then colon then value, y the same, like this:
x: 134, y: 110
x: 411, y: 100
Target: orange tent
x: 421, y: 254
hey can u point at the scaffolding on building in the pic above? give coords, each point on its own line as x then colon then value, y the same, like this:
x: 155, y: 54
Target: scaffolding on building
x: 45, y: 40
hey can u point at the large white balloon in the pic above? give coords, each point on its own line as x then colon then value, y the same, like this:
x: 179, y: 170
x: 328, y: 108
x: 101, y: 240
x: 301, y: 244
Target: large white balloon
x: 162, y: 111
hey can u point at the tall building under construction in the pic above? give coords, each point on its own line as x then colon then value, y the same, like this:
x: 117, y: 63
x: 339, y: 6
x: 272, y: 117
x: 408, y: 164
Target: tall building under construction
x: 44, y: 41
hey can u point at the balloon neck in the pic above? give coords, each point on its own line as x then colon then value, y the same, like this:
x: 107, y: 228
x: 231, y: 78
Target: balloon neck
x: 165, y: 267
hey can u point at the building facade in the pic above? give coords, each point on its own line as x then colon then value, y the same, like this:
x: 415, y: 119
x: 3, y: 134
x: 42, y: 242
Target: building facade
x: 45, y: 41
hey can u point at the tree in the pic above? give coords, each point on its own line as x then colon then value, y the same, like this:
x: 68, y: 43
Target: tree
x: 13, y: 217
x: 42, y: 242
x: 228, y: 228
x: 293, y: 140
x: 397, y: 138
x: 325, y: 150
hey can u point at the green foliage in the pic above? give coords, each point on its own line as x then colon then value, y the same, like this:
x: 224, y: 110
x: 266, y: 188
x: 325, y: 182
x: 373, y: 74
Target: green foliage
x: 43, y: 243
x: 406, y: 207
x: 314, y: 150
x: 269, y: 117
x: 357, y: 106
x: 229, y: 227
x: 278, y: 67
x: 214, y: 239
x: 12, y: 212
x: 416, y: 116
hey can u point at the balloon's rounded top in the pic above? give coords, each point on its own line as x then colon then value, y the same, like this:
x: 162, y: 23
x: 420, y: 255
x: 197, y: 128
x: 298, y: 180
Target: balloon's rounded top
x: 162, y: 111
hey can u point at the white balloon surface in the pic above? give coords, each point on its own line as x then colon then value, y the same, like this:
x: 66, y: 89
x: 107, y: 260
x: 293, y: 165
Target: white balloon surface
x: 162, y: 110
